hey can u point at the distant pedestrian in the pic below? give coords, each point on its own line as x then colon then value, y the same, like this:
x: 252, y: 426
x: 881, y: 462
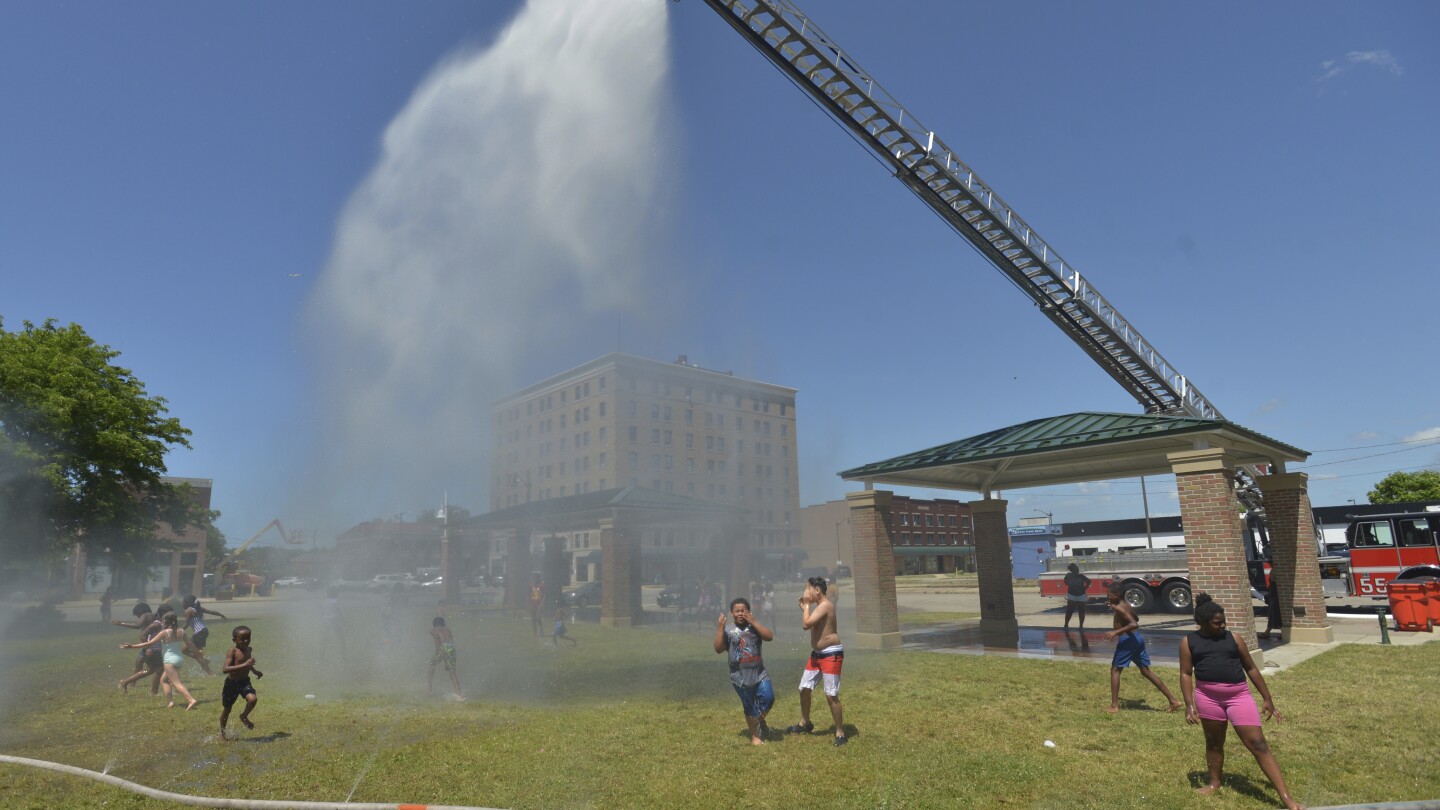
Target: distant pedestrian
x: 1129, y: 647
x: 1213, y: 666
x: 106, y: 599
x: 1077, y: 585
x: 1274, y: 624
x: 537, y: 605
x: 559, y: 631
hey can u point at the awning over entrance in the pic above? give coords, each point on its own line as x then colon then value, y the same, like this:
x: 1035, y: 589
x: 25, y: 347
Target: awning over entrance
x: 1085, y: 446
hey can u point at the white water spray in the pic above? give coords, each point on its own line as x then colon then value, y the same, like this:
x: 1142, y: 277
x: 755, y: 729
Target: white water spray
x: 509, y: 214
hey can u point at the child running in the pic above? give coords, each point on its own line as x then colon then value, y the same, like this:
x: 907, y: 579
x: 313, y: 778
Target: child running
x: 747, y: 668
x: 171, y: 642
x: 239, y: 663
x: 1129, y: 646
x: 148, y: 663
x: 198, y: 635
x: 444, y: 654
x: 559, y: 632
x: 1213, y: 666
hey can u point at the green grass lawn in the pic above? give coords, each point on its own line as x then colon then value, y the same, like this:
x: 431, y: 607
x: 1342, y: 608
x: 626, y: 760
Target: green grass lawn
x: 646, y: 718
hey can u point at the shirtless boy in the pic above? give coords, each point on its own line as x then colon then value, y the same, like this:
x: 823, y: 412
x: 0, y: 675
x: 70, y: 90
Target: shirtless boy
x: 239, y: 663
x: 444, y: 654
x: 1129, y: 646
x: 817, y: 614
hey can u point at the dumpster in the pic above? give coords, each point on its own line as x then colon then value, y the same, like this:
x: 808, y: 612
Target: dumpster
x: 1409, y: 605
x: 1432, y: 595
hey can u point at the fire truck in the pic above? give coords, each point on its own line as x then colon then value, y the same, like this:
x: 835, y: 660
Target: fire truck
x: 1394, y: 546
x: 1160, y: 578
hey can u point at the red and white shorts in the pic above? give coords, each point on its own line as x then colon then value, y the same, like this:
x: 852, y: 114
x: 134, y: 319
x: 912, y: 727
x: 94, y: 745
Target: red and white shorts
x: 826, y: 662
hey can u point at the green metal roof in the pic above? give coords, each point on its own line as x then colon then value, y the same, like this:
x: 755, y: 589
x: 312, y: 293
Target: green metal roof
x: 1085, y: 446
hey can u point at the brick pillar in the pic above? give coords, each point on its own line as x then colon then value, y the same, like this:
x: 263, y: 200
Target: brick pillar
x: 619, y: 554
x: 1291, y: 526
x: 517, y: 571
x: 877, y: 619
x: 992, y: 563
x: 556, y: 573
x: 1214, y: 536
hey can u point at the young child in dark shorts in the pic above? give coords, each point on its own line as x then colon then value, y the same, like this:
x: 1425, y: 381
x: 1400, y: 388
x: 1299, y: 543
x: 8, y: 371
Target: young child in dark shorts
x: 1129, y: 648
x: 239, y: 663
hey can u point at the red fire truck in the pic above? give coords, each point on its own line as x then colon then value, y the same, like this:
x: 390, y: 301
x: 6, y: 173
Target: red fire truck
x: 1395, y: 546
x: 1161, y: 578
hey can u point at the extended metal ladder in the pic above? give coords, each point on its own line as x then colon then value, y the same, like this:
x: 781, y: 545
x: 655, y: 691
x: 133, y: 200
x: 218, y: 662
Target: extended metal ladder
x: 928, y: 168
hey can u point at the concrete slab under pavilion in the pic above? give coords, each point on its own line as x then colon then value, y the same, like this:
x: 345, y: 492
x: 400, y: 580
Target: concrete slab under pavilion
x: 1202, y: 454
x: 621, y: 516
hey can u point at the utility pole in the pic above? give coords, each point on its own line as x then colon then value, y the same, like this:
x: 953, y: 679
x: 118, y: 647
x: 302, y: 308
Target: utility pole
x: 1145, y: 499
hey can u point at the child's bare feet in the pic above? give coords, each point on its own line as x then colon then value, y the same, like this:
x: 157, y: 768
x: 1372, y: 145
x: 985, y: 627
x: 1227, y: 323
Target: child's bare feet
x: 1207, y: 790
x: 1174, y: 705
x: 124, y: 688
x: 756, y: 741
x: 191, y: 705
x: 1113, y: 709
x: 170, y: 705
x: 245, y: 721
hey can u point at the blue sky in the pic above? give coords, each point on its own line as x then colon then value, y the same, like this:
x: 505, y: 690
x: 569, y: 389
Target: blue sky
x: 1252, y: 185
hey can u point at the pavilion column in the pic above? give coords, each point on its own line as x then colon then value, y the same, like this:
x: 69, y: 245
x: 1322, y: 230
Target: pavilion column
x: 1291, y: 527
x: 619, y: 572
x: 737, y: 540
x: 1214, y: 537
x: 556, y: 572
x: 992, y: 563
x: 877, y: 620
x: 517, y: 571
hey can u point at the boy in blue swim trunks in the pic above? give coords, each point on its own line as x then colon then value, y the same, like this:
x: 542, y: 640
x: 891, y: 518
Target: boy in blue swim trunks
x: 1129, y: 646
x: 747, y: 668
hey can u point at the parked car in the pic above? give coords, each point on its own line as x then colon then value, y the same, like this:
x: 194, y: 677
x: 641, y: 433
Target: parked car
x: 583, y: 595
x: 681, y: 596
x: 291, y: 582
x: 437, y: 582
x: 841, y: 572
x: 818, y: 571
x: 386, y: 582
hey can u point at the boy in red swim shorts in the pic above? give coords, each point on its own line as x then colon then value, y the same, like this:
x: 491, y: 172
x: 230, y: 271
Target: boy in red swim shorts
x: 817, y: 614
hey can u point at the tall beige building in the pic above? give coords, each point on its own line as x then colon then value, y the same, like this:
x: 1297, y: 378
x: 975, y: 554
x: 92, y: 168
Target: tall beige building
x: 621, y: 421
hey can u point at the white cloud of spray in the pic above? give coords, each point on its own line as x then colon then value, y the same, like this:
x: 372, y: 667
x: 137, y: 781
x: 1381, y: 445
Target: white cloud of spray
x: 509, y: 212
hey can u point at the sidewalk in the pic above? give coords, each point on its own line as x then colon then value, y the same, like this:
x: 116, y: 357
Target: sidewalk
x: 1041, y: 630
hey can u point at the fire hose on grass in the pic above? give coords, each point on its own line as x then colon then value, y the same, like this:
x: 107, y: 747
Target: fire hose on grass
x: 234, y: 804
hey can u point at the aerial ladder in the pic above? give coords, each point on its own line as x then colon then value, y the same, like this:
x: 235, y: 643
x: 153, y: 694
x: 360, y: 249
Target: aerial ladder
x: 920, y: 160
x: 783, y: 34
x: 229, y: 565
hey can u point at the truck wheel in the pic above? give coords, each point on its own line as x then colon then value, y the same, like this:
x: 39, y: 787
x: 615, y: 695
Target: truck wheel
x: 1176, y: 597
x: 1137, y: 595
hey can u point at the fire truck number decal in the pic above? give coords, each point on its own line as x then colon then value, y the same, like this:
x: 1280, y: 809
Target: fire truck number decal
x: 1373, y: 584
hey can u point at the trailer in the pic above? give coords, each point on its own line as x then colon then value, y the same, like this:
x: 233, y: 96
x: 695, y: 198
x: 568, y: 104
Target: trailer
x: 1160, y: 578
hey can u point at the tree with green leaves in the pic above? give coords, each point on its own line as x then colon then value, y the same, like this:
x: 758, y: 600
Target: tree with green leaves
x: 1407, y: 487
x: 82, y: 450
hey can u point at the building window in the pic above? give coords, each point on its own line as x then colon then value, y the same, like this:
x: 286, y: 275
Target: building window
x: 655, y: 435
x: 602, y: 409
x: 689, y: 417
x: 689, y: 441
x: 634, y: 433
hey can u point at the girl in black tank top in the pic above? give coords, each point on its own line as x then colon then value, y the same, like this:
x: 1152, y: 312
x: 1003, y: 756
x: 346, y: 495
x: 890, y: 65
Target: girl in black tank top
x: 1213, y: 666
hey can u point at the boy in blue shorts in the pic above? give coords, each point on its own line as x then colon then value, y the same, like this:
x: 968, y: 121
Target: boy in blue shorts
x: 747, y: 668
x: 1129, y: 646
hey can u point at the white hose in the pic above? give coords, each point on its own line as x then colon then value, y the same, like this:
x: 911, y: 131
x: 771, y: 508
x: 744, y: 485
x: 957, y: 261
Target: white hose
x: 236, y: 804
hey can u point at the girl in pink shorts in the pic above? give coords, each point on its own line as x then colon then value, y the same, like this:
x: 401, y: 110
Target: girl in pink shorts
x: 1214, y: 664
